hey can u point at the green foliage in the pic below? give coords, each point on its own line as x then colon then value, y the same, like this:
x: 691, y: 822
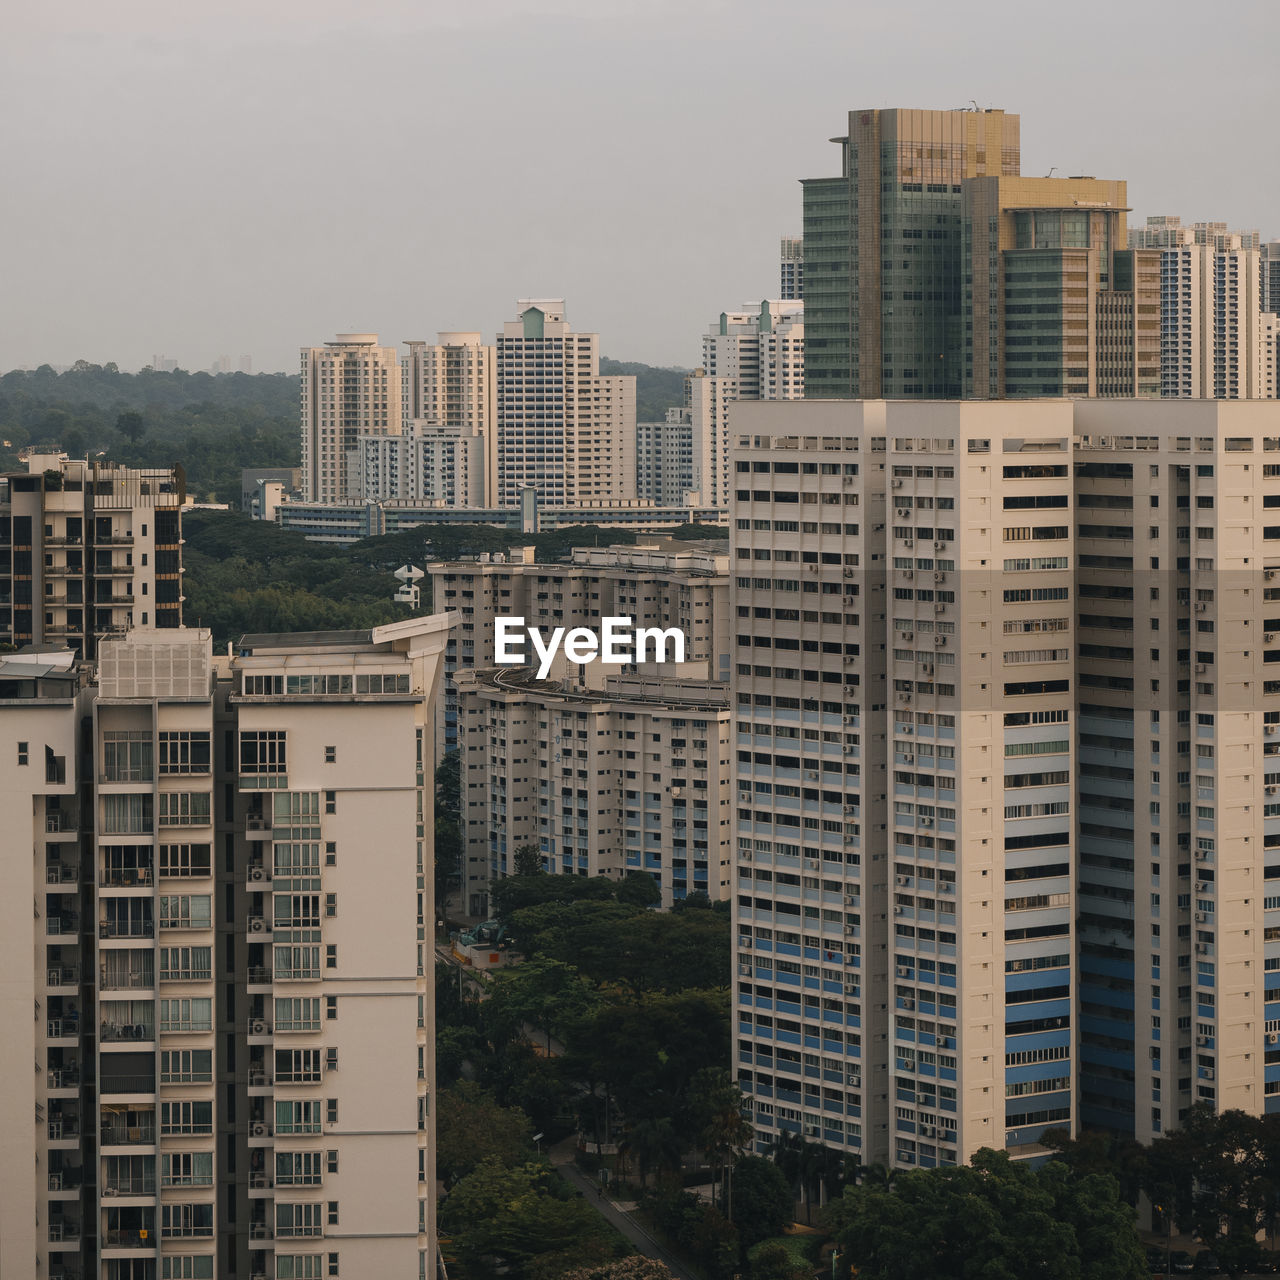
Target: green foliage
x: 244, y: 575
x: 657, y: 389
x: 448, y: 824
x: 523, y: 1221
x: 1219, y: 1178
x: 472, y: 1128
x: 697, y: 1229
x: 633, y: 1268
x: 994, y: 1220
x: 527, y: 860
x: 773, y: 1260
x: 762, y: 1200
x: 512, y: 893
x: 639, y: 889
x: 213, y: 426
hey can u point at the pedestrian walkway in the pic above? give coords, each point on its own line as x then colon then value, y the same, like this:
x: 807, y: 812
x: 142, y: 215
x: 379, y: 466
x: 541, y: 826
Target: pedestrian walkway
x: 615, y: 1215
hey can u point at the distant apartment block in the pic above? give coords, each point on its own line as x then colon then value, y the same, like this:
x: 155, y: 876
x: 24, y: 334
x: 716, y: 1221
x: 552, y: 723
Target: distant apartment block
x: 1031, y: 642
x: 263, y: 489
x: 351, y: 387
x: 1213, y: 337
x: 452, y: 383
x: 88, y: 549
x: 791, y: 269
x: 233, y: 1046
x: 664, y: 459
x: 563, y: 430
x: 663, y: 583
x: 633, y: 776
x: 427, y: 463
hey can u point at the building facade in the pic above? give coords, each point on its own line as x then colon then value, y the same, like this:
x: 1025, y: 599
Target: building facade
x: 633, y: 776
x: 233, y: 1038
x: 350, y: 387
x: 562, y: 429
x: 1066, y: 921
x: 664, y: 459
x: 791, y: 268
x: 453, y: 384
x: 87, y: 550
x: 662, y: 583
x: 426, y: 464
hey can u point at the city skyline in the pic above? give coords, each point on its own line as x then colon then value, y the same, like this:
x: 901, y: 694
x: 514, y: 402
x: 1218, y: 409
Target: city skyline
x: 213, y: 200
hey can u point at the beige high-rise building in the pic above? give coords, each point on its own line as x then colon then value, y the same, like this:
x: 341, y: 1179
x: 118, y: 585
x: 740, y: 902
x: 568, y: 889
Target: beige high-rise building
x: 1030, y: 643
x: 659, y: 583
x: 1058, y: 305
x: 88, y: 549
x: 233, y: 1048
x: 563, y: 430
x: 633, y: 776
x: 452, y: 383
x: 351, y: 387
x: 426, y: 464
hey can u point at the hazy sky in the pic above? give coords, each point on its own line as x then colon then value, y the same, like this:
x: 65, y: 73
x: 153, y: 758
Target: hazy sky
x: 248, y: 176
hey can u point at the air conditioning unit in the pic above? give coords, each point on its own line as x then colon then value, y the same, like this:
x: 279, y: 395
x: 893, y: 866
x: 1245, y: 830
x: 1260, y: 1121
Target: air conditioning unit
x: 850, y: 573
x: 745, y: 970
x: 850, y: 899
x: 897, y: 484
x: 853, y: 1078
x: 909, y: 542
x: 812, y: 864
x: 1269, y: 574
x: 908, y: 635
x: 906, y: 730
x: 811, y: 774
x: 939, y: 607
x: 939, y: 546
x: 928, y: 1131
x: 908, y: 1003
x: 908, y: 758
x: 1202, y: 948
x: 1271, y: 790
x: 909, y: 574
x: 811, y: 1131
x: 904, y: 513
x: 928, y: 668
x: 1202, y: 855
x: 1272, y: 1037
x: 745, y: 855
x: 257, y: 925
x: 1201, y: 917
x: 1202, y: 886
x: 1201, y: 668
x: 1201, y: 607
x: 1208, y: 1073
x: 851, y: 988
x: 899, y: 909
x: 904, y: 696
x: 939, y: 639
x: 257, y: 1027
x: 1268, y: 637
x: 257, y: 873
x: 926, y: 822
x: 258, y: 1130
x: 744, y: 944
x: 903, y: 971
x: 903, y: 879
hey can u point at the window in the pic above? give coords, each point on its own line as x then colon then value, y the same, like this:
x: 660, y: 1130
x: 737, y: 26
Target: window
x: 297, y: 1013
x: 186, y: 1015
x: 185, y: 911
x: 331, y: 802
x: 331, y: 1008
x: 262, y: 751
x: 185, y: 860
x: 294, y: 1220
x: 127, y: 756
x: 296, y: 910
x: 331, y: 755
x: 184, y: 808
x: 298, y: 1169
x: 331, y: 904
x: 299, y: 1266
x: 297, y: 1115
x: 184, y: 964
x: 127, y: 815
x: 186, y: 1169
x: 297, y: 1066
x: 331, y: 956
x: 331, y: 1217
x: 184, y: 751
x: 331, y: 1111
x: 187, y: 1220
x: 24, y: 753
x: 179, y: 1118
x: 186, y: 1066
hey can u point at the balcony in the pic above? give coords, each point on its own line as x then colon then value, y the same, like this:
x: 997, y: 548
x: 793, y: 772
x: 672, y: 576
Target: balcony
x: 115, y: 1032
x: 62, y: 821
x: 128, y: 1239
x: 128, y: 1185
x: 66, y: 1027
x: 61, y: 925
x: 124, y: 877
x: 257, y: 924
x: 259, y: 975
x: 67, y: 1233
x: 126, y: 929
x: 64, y: 1077
x: 129, y: 1135
x: 61, y: 873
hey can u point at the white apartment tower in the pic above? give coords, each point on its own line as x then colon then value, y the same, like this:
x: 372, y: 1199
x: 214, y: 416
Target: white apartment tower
x: 426, y: 465
x: 633, y: 776
x: 1002, y: 724
x: 791, y: 268
x: 232, y: 1041
x: 351, y: 387
x: 753, y: 354
x: 1212, y: 339
x: 88, y: 549
x: 563, y: 430
x: 452, y: 383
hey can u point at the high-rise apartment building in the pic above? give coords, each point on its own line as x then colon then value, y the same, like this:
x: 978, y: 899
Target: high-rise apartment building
x: 562, y: 429
x: 664, y: 458
x: 791, y: 268
x: 232, y: 1044
x: 753, y: 354
x: 453, y: 384
x: 1269, y: 265
x: 1025, y: 888
x: 884, y: 298
x: 88, y: 549
x: 1212, y: 338
x: 425, y: 464
x: 633, y: 776
x: 1055, y: 304
x: 660, y: 583
x: 351, y: 387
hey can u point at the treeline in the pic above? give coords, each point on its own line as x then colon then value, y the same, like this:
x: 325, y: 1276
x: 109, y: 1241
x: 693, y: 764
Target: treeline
x: 243, y: 575
x: 212, y: 425
x: 657, y: 389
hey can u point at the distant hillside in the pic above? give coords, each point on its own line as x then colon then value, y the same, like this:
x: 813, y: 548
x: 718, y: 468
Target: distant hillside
x: 657, y: 390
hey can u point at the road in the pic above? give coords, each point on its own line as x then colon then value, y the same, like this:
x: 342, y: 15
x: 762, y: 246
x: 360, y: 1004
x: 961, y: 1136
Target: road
x: 624, y: 1222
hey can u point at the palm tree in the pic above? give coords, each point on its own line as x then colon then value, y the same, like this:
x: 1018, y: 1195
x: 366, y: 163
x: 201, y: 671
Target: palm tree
x: 654, y: 1144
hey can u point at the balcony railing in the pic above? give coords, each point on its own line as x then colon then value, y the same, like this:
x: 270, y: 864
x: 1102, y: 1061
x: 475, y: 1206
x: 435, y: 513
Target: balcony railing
x: 143, y: 1185
x: 61, y: 873
x: 65, y: 924
x: 137, y: 1239
x: 61, y: 1028
x: 63, y: 976
x: 127, y: 929
x: 64, y: 1232
x: 64, y: 1078
x: 129, y: 1135
x: 259, y: 975
x: 114, y: 1031
x: 124, y: 877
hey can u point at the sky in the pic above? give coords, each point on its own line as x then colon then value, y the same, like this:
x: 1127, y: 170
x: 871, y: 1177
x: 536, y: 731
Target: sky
x: 252, y: 176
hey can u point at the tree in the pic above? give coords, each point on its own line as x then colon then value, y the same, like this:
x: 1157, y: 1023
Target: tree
x: 762, y: 1200
x: 527, y: 860
x: 774, y: 1261
x: 520, y: 1217
x: 632, y: 1268
x: 653, y: 1144
x: 472, y: 1128
x: 714, y: 1109
x: 130, y: 425
x: 994, y: 1219
x: 639, y: 889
